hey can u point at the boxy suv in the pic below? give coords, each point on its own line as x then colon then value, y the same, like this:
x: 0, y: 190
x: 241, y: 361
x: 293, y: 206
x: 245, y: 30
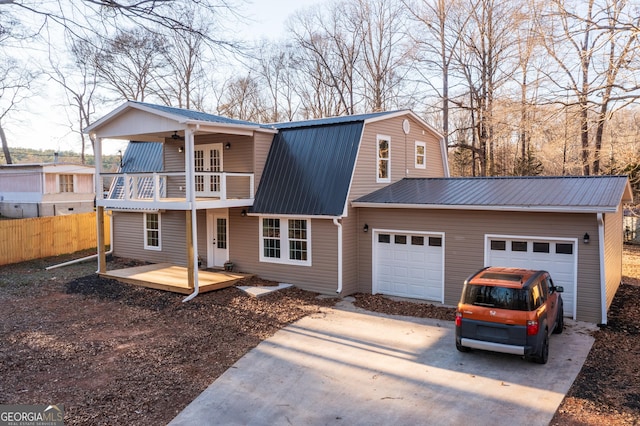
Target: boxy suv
x: 509, y: 310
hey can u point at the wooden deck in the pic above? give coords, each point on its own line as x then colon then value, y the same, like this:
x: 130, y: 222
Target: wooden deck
x: 168, y: 277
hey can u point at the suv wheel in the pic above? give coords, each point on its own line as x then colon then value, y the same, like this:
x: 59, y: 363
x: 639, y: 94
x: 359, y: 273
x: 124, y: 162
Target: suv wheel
x: 559, y: 322
x: 543, y: 356
x: 462, y: 348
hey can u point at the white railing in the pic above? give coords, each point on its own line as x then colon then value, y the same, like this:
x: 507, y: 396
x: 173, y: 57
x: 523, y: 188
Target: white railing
x: 155, y: 186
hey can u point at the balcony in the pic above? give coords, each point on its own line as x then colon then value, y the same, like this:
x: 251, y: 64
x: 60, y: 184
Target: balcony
x: 168, y: 190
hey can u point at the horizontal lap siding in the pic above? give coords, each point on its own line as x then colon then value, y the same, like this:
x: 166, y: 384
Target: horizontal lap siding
x: 350, y: 253
x: 128, y: 234
x: 464, y: 242
x: 613, y: 253
x: 321, y: 277
x: 262, y: 145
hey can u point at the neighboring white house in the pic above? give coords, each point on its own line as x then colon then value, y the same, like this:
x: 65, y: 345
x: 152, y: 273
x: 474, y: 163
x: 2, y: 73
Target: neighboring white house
x: 48, y: 189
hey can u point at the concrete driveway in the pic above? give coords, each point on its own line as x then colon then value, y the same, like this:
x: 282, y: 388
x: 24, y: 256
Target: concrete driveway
x: 347, y: 366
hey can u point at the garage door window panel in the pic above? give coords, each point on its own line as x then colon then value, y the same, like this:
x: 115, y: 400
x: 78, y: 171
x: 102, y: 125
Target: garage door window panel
x: 519, y: 246
x: 400, y: 239
x: 384, y: 238
x: 498, y: 245
x: 564, y: 248
x: 541, y: 247
x: 435, y: 241
x: 417, y: 241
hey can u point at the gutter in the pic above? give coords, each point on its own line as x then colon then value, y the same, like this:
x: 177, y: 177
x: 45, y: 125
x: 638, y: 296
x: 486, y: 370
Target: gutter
x: 337, y: 223
x: 515, y: 208
x: 93, y: 256
x: 603, y: 278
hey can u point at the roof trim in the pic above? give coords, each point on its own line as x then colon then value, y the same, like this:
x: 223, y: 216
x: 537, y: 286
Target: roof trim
x: 542, y: 209
x: 290, y: 216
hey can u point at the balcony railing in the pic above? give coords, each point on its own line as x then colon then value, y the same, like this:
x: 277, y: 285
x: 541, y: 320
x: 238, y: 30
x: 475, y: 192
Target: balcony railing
x: 171, y: 186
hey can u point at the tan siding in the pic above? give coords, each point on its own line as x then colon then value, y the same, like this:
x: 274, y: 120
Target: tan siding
x: 22, y: 182
x: 84, y: 184
x: 350, y: 252
x: 262, y: 146
x: 465, y: 238
x: 321, y: 277
x: 201, y: 219
x: 402, y: 155
x: 613, y: 253
x: 173, y: 161
x: 50, y: 183
x: 128, y: 234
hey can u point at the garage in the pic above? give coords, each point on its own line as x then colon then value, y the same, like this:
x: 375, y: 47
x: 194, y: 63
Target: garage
x: 557, y: 256
x: 409, y: 264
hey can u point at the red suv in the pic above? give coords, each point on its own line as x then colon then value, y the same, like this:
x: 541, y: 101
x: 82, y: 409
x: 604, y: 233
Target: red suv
x: 509, y: 310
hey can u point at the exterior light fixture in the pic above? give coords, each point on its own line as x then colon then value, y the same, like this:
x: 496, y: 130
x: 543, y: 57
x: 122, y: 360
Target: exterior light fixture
x: 243, y: 213
x: 365, y: 228
x: 181, y: 149
x: 227, y: 145
x: 585, y: 238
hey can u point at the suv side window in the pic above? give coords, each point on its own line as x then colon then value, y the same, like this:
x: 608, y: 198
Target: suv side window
x: 536, y: 296
x: 544, y: 283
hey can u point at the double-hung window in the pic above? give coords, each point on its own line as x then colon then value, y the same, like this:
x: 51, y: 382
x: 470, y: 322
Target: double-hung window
x: 66, y: 183
x: 152, y: 234
x: 285, y: 240
x: 384, y: 158
x: 421, y: 149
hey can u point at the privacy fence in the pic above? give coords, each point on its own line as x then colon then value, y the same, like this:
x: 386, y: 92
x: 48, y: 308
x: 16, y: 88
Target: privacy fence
x: 26, y: 239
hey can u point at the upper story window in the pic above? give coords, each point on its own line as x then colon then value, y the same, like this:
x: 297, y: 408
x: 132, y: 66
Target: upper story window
x: 152, y: 236
x: 66, y: 183
x: 285, y: 240
x: 421, y: 149
x: 384, y: 159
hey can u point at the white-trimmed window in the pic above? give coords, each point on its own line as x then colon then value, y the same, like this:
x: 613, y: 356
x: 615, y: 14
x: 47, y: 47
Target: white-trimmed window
x: 66, y: 183
x: 383, y: 149
x: 152, y: 234
x: 285, y: 240
x: 421, y: 155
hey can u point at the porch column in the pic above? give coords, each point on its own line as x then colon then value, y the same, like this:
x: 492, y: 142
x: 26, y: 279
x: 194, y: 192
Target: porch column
x: 192, y: 226
x: 102, y: 257
x: 190, y: 260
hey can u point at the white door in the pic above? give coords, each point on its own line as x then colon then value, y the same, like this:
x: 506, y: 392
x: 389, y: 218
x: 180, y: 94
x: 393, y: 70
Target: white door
x: 217, y: 238
x: 207, y: 159
x: 408, y: 264
x: 556, y: 256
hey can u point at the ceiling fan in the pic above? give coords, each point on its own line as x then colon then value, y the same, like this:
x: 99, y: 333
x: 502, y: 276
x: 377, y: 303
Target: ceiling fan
x: 176, y: 136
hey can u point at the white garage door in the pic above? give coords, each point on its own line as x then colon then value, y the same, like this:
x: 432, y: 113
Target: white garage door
x: 558, y: 257
x: 409, y: 265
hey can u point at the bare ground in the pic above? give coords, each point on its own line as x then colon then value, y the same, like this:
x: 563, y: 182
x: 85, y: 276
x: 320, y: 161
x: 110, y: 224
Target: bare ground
x: 119, y: 354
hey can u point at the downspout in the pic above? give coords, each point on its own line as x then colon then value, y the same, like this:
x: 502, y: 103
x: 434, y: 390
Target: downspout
x: 337, y: 223
x: 191, y: 189
x: 603, y: 278
x: 93, y: 256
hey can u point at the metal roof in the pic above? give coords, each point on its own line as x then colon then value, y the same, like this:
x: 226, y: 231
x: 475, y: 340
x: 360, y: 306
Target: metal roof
x: 540, y: 193
x: 139, y: 157
x: 195, y: 115
x: 308, y: 170
x: 331, y: 120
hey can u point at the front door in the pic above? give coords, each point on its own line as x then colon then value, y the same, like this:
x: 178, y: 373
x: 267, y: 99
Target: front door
x: 208, y: 164
x: 217, y: 238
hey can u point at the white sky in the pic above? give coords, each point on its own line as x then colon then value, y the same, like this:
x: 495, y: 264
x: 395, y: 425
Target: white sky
x: 43, y: 123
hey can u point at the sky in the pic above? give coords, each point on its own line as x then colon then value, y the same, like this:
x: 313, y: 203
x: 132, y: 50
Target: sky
x: 43, y: 123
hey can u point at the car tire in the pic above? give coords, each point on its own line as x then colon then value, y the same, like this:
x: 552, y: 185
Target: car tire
x: 462, y: 348
x: 543, y: 356
x: 559, y: 322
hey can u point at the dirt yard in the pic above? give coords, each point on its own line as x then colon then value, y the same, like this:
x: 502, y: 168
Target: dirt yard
x: 118, y: 354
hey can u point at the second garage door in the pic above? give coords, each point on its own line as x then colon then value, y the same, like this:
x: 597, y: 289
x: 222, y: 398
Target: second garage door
x: 409, y: 264
x: 558, y: 257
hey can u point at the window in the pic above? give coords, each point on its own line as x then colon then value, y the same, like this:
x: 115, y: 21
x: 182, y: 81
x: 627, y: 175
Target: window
x: 66, y: 183
x: 421, y: 149
x: 384, y: 165
x: 384, y: 238
x: 541, y: 247
x: 400, y: 239
x: 564, y: 248
x: 417, y: 241
x: 518, y: 246
x: 285, y: 241
x: 435, y: 241
x: 152, y: 237
x: 498, y: 245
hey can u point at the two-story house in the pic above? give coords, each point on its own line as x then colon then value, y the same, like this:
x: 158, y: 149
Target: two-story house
x: 349, y: 204
x: 48, y: 189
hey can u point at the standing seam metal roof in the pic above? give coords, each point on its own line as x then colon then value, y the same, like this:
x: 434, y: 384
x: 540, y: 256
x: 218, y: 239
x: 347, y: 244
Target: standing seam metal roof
x: 197, y: 115
x: 540, y: 192
x: 308, y: 170
x: 139, y: 157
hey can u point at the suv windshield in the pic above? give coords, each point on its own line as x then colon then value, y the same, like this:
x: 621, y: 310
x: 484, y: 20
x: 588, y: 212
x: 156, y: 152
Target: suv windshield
x: 497, y: 297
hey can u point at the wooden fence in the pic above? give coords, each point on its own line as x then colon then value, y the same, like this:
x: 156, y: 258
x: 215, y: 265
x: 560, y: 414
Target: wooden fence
x: 26, y: 239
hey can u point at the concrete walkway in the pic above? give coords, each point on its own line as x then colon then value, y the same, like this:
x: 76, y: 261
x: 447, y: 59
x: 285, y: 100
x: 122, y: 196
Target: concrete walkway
x: 347, y: 366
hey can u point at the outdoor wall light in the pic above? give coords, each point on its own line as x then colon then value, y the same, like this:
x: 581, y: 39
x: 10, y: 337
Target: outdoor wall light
x: 181, y: 149
x: 228, y: 145
x: 365, y: 228
x: 243, y: 213
x: 585, y: 238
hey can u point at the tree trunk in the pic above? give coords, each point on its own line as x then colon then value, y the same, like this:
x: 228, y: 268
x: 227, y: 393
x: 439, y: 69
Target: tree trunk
x: 5, y: 147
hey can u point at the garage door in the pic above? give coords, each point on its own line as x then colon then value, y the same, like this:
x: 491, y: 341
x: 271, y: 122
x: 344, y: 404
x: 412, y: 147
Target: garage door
x: 409, y: 264
x: 556, y: 256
